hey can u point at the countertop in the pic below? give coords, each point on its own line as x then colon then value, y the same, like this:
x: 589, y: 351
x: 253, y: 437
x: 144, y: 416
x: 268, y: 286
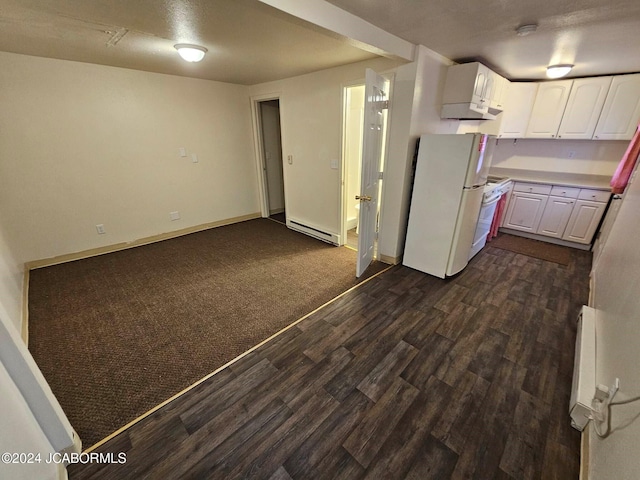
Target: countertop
x: 596, y: 182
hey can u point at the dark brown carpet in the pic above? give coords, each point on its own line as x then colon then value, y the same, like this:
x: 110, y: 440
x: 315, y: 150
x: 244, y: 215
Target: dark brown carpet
x: 117, y: 334
x: 533, y: 248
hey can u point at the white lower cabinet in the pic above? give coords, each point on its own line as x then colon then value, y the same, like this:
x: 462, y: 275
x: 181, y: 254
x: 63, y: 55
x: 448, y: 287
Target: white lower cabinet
x: 556, y: 216
x: 525, y: 211
x: 564, y: 213
x: 584, y: 221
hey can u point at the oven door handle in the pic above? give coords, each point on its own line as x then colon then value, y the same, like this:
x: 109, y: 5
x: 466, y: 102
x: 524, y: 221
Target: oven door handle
x: 492, y: 201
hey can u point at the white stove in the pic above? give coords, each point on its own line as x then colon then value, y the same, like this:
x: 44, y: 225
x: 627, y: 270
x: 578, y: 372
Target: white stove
x: 495, y: 188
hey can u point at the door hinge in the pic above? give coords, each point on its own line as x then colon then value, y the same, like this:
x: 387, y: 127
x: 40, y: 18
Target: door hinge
x: 384, y: 104
x: 380, y: 175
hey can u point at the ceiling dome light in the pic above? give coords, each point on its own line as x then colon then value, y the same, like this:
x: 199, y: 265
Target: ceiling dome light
x: 528, y: 29
x: 190, y: 53
x: 558, y: 71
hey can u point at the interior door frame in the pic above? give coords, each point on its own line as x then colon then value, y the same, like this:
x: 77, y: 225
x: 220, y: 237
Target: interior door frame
x: 390, y: 77
x: 343, y: 153
x: 258, y: 145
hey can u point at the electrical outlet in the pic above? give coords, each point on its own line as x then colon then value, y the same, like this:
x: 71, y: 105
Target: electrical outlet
x: 194, y: 158
x: 182, y: 152
x: 174, y: 216
x: 100, y: 229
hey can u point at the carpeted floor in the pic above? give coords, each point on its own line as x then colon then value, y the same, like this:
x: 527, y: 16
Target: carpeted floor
x: 533, y: 248
x: 115, y: 335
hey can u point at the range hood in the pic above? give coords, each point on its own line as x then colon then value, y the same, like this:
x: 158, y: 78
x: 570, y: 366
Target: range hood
x: 466, y: 111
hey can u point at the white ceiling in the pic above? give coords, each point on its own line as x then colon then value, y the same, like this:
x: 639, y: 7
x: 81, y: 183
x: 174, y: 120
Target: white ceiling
x: 250, y: 42
x: 597, y: 36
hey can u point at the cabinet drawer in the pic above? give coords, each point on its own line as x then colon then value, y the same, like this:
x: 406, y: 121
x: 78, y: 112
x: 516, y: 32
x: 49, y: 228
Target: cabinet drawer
x: 594, y: 195
x: 532, y: 188
x: 566, y: 192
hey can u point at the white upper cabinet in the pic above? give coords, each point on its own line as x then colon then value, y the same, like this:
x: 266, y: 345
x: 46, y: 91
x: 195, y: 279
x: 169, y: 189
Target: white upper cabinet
x: 468, y: 83
x: 548, y: 109
x: 621, y: 112
x: 518, y: 104
x: 498, y: 86
x: 583, y: 108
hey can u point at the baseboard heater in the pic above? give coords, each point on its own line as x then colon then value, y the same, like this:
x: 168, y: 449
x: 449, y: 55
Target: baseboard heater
x: 313, y: 232
x: 583, y: 388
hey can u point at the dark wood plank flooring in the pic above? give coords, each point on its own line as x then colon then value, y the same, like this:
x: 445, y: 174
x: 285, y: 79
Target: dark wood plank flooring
x: 407, y: 376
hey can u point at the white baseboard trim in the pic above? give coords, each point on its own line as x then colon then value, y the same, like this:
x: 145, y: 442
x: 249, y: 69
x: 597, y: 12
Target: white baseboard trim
x: 313, y: 231
x: 24, y: 330
x: 390, y: 260
x: 543, y: 238
x: 94, y: 252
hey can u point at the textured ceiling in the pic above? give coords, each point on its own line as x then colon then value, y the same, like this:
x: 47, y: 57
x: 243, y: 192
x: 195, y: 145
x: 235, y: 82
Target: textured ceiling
x: 598, y: 36
x: 250, y: 42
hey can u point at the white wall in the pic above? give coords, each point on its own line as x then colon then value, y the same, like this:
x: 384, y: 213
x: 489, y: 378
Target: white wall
x: 32, y: 420
x: 590, y: 157
x: 20, y: 433
x: 417, y: 95
x: 11, y: 279
x: 84, y: 144
x: 311, y: 118
x: 616, y: 282
x: 28, y: 379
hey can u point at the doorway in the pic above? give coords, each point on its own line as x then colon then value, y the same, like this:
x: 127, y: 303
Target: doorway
x: 352, y: 146
x: 271, y: 153
x: 353, y: 112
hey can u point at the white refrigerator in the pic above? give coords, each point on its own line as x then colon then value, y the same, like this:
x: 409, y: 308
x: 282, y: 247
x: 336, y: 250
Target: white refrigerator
x: 451, y: 171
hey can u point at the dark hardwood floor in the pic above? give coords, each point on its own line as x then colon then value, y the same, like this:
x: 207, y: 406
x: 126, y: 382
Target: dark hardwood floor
x: 407, y: 376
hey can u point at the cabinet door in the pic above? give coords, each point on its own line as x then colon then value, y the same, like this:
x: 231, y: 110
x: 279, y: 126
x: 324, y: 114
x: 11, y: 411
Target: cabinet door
x: 466, y: 83
x: 483, y: 87
x: 584, y: 107
x: 498, y: 86
x: 548, y: 108
x: 621, y: 112
x: 584, y: 220
x: 524, y: 211
x: 555, y: 217
x: 517, y: 109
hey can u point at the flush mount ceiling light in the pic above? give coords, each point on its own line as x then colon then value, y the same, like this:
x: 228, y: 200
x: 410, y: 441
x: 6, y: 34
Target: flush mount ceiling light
x: 528, y: 29
x: 190, y: 53
x: 558, y: 71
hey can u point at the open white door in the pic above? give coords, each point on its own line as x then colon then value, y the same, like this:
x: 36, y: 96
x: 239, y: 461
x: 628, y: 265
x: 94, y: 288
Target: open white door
x: 375, y: 102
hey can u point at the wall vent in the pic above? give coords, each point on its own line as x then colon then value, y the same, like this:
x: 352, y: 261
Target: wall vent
x: 583, y: 388
x: 313, y: 232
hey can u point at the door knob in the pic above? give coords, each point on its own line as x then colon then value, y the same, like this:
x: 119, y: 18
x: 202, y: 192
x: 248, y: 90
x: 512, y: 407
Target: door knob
x: 365, y: 198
